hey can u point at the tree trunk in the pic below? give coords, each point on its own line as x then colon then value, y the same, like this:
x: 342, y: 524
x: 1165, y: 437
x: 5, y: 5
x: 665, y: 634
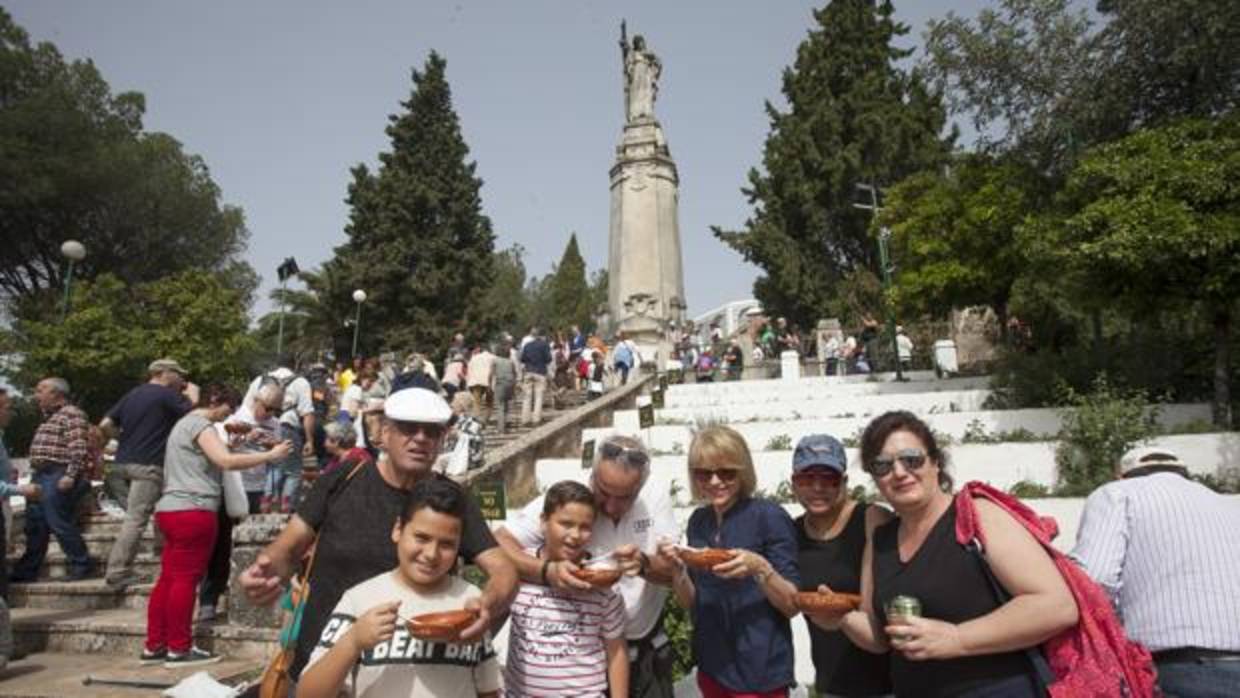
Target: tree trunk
x: 1221, y: 408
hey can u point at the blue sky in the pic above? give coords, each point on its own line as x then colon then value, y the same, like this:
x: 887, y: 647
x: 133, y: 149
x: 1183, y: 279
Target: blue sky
x: 281, y: 98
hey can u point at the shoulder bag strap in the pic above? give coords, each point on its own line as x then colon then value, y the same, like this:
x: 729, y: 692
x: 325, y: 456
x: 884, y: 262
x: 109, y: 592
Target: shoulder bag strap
x: 1042, y: 673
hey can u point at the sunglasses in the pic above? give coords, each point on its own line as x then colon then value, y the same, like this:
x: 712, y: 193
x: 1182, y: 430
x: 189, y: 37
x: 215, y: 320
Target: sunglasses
x: 726, y: 475
x: 819, y: 478
x: 409, y: 429
x: 911, y: 458
x: 634, y: 457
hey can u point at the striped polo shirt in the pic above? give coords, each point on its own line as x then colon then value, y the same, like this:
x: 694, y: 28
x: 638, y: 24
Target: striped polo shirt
x: 1166, y: 550
x: 557, y: 641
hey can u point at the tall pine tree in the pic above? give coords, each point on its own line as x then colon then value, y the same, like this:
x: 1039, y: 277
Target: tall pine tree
x: 569, y: 292
x: 853, y: 117
x: 418, y: 243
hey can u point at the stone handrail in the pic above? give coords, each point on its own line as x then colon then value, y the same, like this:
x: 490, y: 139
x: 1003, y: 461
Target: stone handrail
x: 514, y: 462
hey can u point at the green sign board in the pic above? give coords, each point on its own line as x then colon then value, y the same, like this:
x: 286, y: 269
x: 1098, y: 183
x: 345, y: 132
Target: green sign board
x: 645, y: 416
x: 490, y: 496
x: 587, y: 454
x: 656, y: 399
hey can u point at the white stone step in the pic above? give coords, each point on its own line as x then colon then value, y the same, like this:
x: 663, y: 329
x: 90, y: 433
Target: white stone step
x: 1041, y: 423
x: 1001, y: 465
x: 712, y: 394
x: 819, y: 408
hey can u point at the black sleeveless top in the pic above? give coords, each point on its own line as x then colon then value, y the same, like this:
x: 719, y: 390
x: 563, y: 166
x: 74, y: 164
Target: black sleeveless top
x: 951, y: 586
x: 841, y: 668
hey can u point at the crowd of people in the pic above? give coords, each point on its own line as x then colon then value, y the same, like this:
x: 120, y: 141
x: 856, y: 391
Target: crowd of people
x: 958, y: 590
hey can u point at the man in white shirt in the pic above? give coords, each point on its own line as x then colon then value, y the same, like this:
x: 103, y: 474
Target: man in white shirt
x: 1165, y: 550
x: 296, y: 425
x: 632, y: 521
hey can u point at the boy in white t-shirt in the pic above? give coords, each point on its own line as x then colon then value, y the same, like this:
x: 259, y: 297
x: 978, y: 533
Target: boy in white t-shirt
x: 366, y: 649
x: 566, y: 642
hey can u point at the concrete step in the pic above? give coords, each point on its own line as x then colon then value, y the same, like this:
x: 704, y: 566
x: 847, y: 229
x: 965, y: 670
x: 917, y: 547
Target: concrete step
x: 99, y: 545
x: 54, y: 675
x: 54, y: 565
x: 825, y: 407
x: 122, y: 631
x: 86, y: 595
x: 1041, y: 423
x: 711, y: 394
x: 1002, y: 465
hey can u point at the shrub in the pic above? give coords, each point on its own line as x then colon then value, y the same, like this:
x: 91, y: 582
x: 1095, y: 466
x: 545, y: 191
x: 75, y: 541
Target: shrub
x: 779, y: 442
x: 1029, y: 490
x: 679, y: 629
x: 1096, y: 432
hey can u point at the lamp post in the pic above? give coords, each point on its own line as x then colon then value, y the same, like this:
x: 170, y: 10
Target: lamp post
x: 75, y: 252
x: 884, y: 234
x: 359, y: 297
x: 286, y: 270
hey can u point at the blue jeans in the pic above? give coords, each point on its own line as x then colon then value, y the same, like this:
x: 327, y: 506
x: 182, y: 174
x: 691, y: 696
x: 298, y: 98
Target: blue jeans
x: 54, y: 513
x: 1203, y: 678
x: 284, y: 477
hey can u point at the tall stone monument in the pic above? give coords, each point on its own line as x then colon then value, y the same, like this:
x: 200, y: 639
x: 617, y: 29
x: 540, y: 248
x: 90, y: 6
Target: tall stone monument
x: 646, y: 289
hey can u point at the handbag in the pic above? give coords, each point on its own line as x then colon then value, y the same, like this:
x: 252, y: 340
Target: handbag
x: 235, y: 502
x: 276, y: 680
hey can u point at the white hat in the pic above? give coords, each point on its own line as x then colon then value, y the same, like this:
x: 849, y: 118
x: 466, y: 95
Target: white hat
x: 417, y: 405
x: 1146, y: 456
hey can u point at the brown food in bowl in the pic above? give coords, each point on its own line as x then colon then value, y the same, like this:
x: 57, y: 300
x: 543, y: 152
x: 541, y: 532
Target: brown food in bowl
x: 602, y: 577
x: 833, y: 603
x: 444, y: 626
x: 237, y: 427
x: 705, y: 558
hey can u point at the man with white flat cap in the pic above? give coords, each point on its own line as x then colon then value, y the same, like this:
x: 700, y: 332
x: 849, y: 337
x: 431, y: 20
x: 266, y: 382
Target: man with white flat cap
x: 1165, y: 550
x: 353, y: 511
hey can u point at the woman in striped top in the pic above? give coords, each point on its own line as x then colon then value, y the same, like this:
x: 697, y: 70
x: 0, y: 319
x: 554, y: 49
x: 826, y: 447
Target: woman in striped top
x: 566, y: 642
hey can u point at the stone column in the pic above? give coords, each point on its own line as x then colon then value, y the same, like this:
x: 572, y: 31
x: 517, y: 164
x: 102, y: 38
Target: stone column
x: 249, y: 539
x: 646, y: 281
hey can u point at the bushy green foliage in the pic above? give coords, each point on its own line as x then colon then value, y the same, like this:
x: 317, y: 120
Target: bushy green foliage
x: 113, y: 331
x: 679, y: 628
x: 1029, y: 490
x: 1098, y: 429
x: 779, y: 442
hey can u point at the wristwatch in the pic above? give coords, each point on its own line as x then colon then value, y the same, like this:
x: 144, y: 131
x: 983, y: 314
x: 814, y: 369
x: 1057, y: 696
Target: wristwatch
x: 645, y: 564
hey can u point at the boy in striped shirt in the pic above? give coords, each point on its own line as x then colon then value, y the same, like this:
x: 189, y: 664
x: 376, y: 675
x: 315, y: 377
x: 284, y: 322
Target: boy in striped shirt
x: 566, y: 642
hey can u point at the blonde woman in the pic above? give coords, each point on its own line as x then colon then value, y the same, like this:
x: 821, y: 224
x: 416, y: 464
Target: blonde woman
x: 742, y: 637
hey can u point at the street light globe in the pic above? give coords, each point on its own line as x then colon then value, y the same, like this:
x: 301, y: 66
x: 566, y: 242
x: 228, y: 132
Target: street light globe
x: 359, y: 296
x: 73, y: 250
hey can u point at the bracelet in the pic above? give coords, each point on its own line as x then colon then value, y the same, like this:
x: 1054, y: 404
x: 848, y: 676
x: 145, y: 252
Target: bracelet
x: 645, y: 564
x: 764, y: 575
x: 546, y: 566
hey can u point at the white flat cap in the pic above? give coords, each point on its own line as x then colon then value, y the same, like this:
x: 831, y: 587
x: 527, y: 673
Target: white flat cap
x: 417, y: 405
x: 1147, y: 455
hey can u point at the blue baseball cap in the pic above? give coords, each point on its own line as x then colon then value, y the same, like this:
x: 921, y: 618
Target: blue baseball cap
x: 819, y: 450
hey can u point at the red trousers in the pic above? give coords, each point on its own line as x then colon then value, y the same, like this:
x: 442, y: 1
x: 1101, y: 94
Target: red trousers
x: 711, y: 688
x: 189, y: 537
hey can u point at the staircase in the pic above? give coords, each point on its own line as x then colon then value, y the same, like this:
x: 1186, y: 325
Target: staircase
x: 66, y: 631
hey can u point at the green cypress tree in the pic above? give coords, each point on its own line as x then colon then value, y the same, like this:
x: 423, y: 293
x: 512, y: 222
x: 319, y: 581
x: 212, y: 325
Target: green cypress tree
x: 418, y: 243
x: 569, y: 291
x: 853, y: 118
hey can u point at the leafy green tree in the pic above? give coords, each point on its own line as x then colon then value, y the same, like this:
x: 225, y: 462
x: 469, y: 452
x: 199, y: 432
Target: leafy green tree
x: 1024, y: 73
x: 114, y: 330
x: 568, y: 292
x: 1164, y: 59
x: 75, y: 163
x: 505, y: 298
x: 954, y: 236
x: 1154, y: 219
x: 853, y: 117
x: 418, y: 243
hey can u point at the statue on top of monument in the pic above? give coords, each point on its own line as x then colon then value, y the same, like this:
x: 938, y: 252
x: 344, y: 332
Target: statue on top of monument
x: 641, y: 76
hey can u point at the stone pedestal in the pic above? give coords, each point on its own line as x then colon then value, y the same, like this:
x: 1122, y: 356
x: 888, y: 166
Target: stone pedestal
x: 249, y: 539
x: 646, y: 282
x: 790, y: 365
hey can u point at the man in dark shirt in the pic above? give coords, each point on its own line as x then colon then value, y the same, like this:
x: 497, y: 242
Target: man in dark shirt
x: 352, y: 513
x: 535, y: 358
x: 143, y: 419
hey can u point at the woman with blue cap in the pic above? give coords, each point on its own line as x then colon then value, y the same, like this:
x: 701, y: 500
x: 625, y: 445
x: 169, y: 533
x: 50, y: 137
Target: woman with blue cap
x: 831, y: 537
